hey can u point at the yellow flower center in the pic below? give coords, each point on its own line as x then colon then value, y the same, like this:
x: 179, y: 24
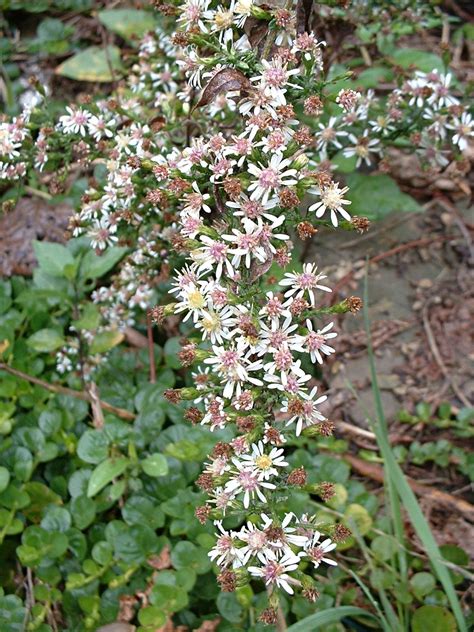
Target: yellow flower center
x: 196, y: 299
x: 223, y: 19
x: 263, y: 462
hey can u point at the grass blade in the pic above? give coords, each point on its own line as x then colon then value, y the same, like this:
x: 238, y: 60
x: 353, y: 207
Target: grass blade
x: 327, y: 617
x: 396, y: 476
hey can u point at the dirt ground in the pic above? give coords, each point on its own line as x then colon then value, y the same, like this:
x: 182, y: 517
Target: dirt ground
x: 421, y: 307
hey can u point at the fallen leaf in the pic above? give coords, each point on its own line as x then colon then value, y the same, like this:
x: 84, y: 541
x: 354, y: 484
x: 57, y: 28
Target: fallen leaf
x: 226, y: 80
x: 255, y: 30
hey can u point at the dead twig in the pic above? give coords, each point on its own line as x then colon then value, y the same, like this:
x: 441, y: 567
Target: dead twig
x: 439, y: 360
x: 63, y: 390
x: 97, y: 414
x: 376, y: 473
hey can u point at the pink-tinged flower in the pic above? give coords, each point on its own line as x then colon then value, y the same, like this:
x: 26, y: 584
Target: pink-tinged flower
x: 256, y: 544
x: 306, y: 282
x: 213, y: 255
x: 271, y: 178
x: 248, y: 482
x: 225, y: 552
x: 247, y: 244
x: 291, y: 380
x: 196, y: 201
x: 75, y: 121
x: 234, y: 367
x: 276, y: 572
x: 317, y: 551
x: 314, y: 342
x: 303, y: 408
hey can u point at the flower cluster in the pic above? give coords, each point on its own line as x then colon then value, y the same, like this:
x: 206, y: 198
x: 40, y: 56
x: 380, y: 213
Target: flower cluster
x: 202, y: 164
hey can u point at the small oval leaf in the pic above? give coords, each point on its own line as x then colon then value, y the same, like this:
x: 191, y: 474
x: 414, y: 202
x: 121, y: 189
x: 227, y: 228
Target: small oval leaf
x: 104, y: 474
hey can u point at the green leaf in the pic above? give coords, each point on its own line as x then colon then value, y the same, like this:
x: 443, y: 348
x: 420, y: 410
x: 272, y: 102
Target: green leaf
x: 171, y: 349
x: 375, y: 196
x: 56, y: 519
x: 169, y: 598
x: 372, y: 77
x: 102, y: 552
x: 105, y: 340
x: 94, y: 266
x: 45, y: 340
x: 187, y: 555
x: 93, y: 446
x: 128, y: 23
x: 229, y: 607
x: 422, y: 584
x: 92, y: 64
x: 384, y: 547
x: 90, y: 318
x: 105, y: 472
x: 434, y: 619
x: 406, y: 57
x: 52, y: 258
x: 327, y: 617
x: 153, y: 616
x: 4, y: 478
x: 141, y: 510
x: 360, y: 516
x: 155, y: 465
x: 50, y: 421
x: 83, y: 511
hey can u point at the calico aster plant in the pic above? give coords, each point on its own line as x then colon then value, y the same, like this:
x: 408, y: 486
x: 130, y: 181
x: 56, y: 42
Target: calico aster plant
x: 214, y: 187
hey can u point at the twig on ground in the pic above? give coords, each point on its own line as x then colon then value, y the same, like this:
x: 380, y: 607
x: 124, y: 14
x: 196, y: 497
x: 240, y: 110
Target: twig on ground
x: 439, y: 360
x: 376, y: 473
x: 64, y: 390
x: 97, y: 414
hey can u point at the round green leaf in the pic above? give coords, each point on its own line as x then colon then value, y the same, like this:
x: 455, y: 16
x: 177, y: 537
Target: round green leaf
x: 4, y: 478
x: 434, y: 619
x: 129, y: 24
x: 152, y: 615
x: 422, y: 584
x: 93, y: 446
x: 155, y: 465
x: 83, y: 511
x: 384, y: 547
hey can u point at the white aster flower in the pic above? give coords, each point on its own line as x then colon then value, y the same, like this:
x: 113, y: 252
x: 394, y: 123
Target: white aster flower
x: 314, y: 342
x: 271, y: 178
x: 261, y: 462
x: 234, y: 367
x: 332, y: 198
x: 225, y: 552
x: 464, y: 130
x: 248, y: 482
x: 317, y: 551
x: 304, y: 282
x: 276, y: 572
x: 303, y: 409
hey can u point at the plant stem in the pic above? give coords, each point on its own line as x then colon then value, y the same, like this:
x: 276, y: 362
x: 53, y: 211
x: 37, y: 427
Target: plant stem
x: 63, y: 390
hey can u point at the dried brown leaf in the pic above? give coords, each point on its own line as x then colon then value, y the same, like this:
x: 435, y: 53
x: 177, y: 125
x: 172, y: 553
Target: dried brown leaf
x: 256, y: 31
x: 258, y: 269
x: 226, y: 80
